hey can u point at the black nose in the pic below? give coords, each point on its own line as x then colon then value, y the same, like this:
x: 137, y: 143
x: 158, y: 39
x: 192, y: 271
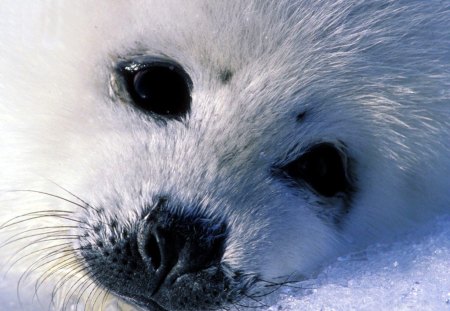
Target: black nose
x: 173, y: 245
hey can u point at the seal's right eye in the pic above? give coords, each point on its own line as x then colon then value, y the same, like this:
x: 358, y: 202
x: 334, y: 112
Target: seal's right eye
x: 156, y: 86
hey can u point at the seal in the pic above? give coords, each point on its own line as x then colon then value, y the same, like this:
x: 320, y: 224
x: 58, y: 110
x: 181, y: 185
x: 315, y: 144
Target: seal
x: 190, y: 155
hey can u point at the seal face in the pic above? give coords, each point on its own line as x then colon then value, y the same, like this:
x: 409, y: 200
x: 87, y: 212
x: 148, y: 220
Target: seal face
x: 171, y: 257
x: 208, y: 154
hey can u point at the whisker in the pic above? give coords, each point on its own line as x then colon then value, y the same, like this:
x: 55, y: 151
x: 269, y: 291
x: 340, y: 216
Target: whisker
x: 72, y: 194
x: 272, y: 283
x: 261, y: 304
x: 52, y: 259
x: 51, y: 195
x: 106, y: 295
x: 39, y: 263
x: 61, y: 237
x: 67, y: 244
x: 96, y: 293
x: 76, y: 286
x: 26, y: 273
x: 245, y: 306
x: 264, y: 294
x: 85, y: 285
x: 287, y: 284
x: 69, y: 262
x: 91, y: 294
x: 44, y: 212
x: 68, y: 277
x: 267, y: 293
x: 13, y: 240
x: 62, y: 282
x: 89, y: 283
x: 43, y: 216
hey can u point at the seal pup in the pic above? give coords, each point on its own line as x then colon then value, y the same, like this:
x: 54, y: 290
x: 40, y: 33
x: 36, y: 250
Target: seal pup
x: 191, y: 155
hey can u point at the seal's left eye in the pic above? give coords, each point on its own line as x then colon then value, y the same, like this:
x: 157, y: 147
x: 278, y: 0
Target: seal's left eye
x: 158, y: 87
x: 323, y: 167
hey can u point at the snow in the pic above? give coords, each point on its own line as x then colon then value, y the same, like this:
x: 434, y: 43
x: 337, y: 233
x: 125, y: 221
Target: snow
x: 410, y: 274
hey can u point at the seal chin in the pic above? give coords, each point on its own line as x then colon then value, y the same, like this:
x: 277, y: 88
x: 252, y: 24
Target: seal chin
x: 205, y: 290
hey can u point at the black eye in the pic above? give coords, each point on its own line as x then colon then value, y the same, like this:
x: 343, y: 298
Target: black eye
x: 158, y: 86
x: 323, y: 167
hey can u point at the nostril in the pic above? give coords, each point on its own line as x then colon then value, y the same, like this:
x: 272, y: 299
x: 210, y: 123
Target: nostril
x: 152, y: 251
x: 173, y: 245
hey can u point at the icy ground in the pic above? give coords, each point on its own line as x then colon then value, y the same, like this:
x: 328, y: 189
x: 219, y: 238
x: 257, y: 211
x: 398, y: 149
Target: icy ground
x: 412, y: 274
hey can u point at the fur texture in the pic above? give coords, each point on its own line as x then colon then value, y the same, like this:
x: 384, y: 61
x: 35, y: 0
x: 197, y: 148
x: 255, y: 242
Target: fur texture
x: 372, y: 76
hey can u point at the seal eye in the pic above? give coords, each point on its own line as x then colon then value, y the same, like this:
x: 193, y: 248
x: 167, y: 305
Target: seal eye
x: 323, y: 167
x: 158, y: 87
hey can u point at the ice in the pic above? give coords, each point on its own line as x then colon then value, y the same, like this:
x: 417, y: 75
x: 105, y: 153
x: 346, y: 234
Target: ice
x: 410, y: 274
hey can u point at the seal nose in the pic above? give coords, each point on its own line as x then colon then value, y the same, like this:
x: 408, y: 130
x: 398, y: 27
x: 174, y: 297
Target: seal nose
x: 172, y: 245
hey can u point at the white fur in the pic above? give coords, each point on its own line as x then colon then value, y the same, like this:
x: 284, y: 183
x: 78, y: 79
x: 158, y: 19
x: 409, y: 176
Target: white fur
x: 377, y: 80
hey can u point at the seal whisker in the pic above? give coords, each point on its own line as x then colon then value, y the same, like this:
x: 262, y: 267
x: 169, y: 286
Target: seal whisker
x: 52, y: 195
x: 245, y: 306
x: 38, y: 263
x: 74, y: 195
x: 41, y: 262
x: 63, y: 247
x: 261, y: 304
x: 264, y: 294
x: 34, y: 215
x: 106, y: 295
x: 69, y: 262
x: 76, y: 289
x: 56, y: 233
x: 78, y: 268
x: 84, y: 286
x: 99, y: 292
